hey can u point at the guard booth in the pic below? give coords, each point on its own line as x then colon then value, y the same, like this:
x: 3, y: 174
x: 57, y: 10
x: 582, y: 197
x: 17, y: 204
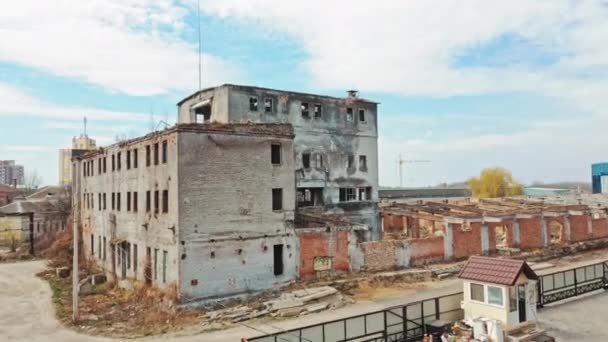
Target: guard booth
x: 500, y: 298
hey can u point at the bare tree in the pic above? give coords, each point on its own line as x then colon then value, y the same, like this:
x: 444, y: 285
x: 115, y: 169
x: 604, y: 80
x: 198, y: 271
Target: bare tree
x: 31, y: 182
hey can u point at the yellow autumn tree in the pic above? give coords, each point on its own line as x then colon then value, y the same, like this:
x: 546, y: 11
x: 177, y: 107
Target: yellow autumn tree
x: 494, y: 182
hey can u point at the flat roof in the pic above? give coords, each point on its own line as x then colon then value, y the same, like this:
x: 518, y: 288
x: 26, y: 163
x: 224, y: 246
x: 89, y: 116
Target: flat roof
x: 249, y: 87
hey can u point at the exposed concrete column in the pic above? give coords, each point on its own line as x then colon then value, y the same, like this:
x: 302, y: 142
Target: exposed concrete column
x: 544, y: 234
x: 567, y: 232
x: 516, y: 233
x: 485, y: 239
x: 448, y: 241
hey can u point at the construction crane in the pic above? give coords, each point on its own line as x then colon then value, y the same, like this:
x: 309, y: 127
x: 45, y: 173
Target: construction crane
x: 402, y: 161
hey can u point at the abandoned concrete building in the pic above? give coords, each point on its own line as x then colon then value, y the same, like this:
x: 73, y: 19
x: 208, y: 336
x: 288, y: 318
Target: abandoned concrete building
x: 336, y: 143
x: 207, y: 208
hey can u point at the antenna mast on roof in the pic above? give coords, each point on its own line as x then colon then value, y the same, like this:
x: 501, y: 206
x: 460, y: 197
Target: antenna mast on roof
x: 85, y: 126
x: 200, y: 67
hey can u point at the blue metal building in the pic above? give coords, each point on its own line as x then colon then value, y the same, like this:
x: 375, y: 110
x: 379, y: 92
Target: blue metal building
x: 599, y: 177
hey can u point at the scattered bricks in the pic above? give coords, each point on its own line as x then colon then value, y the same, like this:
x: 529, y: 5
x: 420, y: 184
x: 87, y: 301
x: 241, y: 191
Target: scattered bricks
x: 62, y: 272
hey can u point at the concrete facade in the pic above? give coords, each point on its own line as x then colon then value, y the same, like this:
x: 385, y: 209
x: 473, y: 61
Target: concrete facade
x: 11, y: 173
x: 192, y: 208
x: 83, y: 143
x: 336, y: 142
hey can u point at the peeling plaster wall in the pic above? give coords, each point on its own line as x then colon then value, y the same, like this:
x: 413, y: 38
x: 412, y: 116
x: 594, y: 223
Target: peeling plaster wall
x: 162, y: 228
x: 332, y: 135
x: 225, y: 189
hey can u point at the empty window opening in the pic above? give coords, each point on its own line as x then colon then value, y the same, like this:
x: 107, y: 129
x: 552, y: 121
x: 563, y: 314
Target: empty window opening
x: 113, y: 163
x: 128, y: 201
x: 165, y: 260
x: 113, y: 201
x: 156, y: 154
x: 118, y: 201
x: 202, y: 114
x: 318, y: 111
x: 275, y: 154
x: 105, y: 159
x: 319, y: 160
x: 305, y: 111
x: 148, y: 202
x: 99, y: 203
x: 99, y: 162
x: 278, y: 259
x: 349, y: 114
x: 148, y: 156
x: 348, y: 194
x: 156, y: 201
x: 135, y: 259
x: 500, y: 233
x: 92, y: 245
x: 135, y: 202
x: 99, y: 247
x: 165, y: 201
x: 118, y: 158
x: 555, y: 232
x: 268, y: 105
x: 306, y: 160
x: 165, y: 147
x: 128, y: 159
x: 309, y: 197
x: 365, y: 194
x: 104, y: 201
x: 104, y: 248
x: 135, y: 158
x: 277, y: 199
x: 148, y: 266
x: 363, y: 163
x: 253, y: 104
x: 351, y: 162
x: 361, y: 115
x: 155, y: 263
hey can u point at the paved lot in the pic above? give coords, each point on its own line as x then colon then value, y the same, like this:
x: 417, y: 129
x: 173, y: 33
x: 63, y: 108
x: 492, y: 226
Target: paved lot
x: 26, y: 313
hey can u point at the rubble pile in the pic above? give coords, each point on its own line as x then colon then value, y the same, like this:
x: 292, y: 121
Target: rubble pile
x: 290, y: 304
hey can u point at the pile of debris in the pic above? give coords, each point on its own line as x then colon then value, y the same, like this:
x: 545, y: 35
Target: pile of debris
x: 290, y: 304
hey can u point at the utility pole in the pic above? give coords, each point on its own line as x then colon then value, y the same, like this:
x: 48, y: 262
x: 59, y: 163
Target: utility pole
x: 75, y: 220
x: 402, y: 161
x: 200, y: 52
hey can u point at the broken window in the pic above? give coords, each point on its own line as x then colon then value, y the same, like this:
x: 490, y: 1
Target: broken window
x: 148, y: 202
x: 148, y: 156
x: 305, y: 112
x: 135, y: 202
x: 351, y: 162
x: 202, y: 113
x: 165, y: 146
x: 306, y: 160
x: 268, y: 105
x: 277, y: 199
x: 156, y: 202
x: 128, y: 159
x: 348, y: 194
x: 135, y: 158
x: 128, y: 200
x: 349, y: 114
x: 165, y: 201
x: 319, y: 160
x: 361, y: 115
x: 318, y: 111
x: 363, y: 163
x: 118, y: 201
x: 275, y: 154
x: 118, y: 161
x: 309, y: 197
x: 155, y: 153
x: 253, y: 104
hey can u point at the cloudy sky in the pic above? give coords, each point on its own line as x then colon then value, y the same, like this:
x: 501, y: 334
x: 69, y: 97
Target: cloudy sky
x: 465, y: 84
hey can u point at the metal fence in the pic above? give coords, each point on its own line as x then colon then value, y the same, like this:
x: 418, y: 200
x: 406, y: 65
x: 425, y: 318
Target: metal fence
x: 401, y: 323
x: 560, y: 285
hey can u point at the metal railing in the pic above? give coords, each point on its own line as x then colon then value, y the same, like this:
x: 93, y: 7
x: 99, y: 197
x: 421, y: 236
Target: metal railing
x: 573, y: 282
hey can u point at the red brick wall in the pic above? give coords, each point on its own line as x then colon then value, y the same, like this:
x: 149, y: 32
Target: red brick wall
x: 426, y: 250
x: 578, y: 228
x: 323, y: 244
x: 392, y: 223
x: 467, y: 243
x: 600, y: 228
x: 529, y: 233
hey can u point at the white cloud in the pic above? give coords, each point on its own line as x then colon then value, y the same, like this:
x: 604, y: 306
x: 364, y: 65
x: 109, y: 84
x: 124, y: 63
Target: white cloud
x: 17, y: 102
x: 129, y: 46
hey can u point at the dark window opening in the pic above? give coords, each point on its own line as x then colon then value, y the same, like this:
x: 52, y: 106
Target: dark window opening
x: 202, y: 114
x: 349, y: 114
x: 113, y: 201
x: 104, y: 201
x: 348, y: 194
x: 277, y: 199
x: 128, y: 201
x: 305, y: 112
x: 318, y: 111
x: 135, y: 259
x: 253, y: 104
x: 351, y: 162
x: 363, y: 163
x: 148, y: 155
x: 365, y: 194
x: 135, y: 158
x: 319, y: 160
x: 148, y: 202
x: 118, y: 158
x: 99, y: 204
x: 165, y: 146
x: 128, y: 159
x: 309, y: 197
x: 113, y: 163
x: 118, y: 201
x: 278, y: 259
x: 275, y: 154
x: 306, y: 160
x: 135, y: 202
x: 165, y: 201
x: 92, y: 244
x: 155, y: 153
x: 105, y: 159
x: 268, y: 105
x: 99, y: 166
x: 156, y: 201
x: 361, y: 115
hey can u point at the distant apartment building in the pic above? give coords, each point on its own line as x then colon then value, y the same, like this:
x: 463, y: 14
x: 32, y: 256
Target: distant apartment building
x: 82, y: 142
x: 599, y: 178
x: 11, y: 173
x: 336, y: 143
x: 208, y: 208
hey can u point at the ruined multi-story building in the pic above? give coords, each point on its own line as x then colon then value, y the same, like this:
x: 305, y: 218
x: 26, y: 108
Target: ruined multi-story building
x: 207, y: 208
x: 80, y: 143
x: 336, y: 142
